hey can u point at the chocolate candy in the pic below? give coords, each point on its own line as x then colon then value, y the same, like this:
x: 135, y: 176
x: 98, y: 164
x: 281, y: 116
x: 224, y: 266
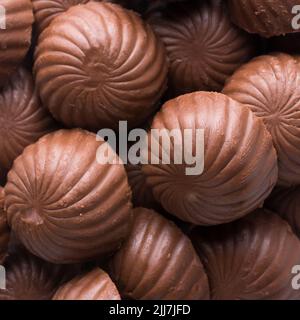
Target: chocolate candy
x: 15, y: 35
x: 240, y: 164
x: 63, y: 205
x: 97, y: 64
x: 158, y: 262
x: 23, y: 120
x: 4, y: 230
x: 251, y: 258
x: 270, y: 87
x: 203, y: 46
x: 286, y: 202
x: 267, y: 18
x: 95, y: 285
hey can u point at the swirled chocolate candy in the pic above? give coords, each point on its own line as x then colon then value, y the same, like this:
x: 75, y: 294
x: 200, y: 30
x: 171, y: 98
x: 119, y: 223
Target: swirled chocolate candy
x: 267, y: 18
x: 15, y: 35
x: 65, y: 206
x: 30, y: 278
x: 4, y: 230
x: 23, y: 120
x: 97, y: 64
x: 240, y: 164
x: 286, y: 202
x: 95, y: 285
x: 270, y: 86
x: 203, y: 46
x: 250, y: 259
x: 158, y: 262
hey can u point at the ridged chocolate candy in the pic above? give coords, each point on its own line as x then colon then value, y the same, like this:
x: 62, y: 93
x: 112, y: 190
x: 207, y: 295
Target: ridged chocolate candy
x: 286, y: 202
x: 97, y: 64
x: 62, y: 204
x: 23, y: 120
x: 267, y: 18
x: 250, y: 259
x: 203, y: 46
x: 4, y: 230
x: 95, y: 285
x: 240, y: 164
x: 15, y: 35
x: 270, y: 86
x: 158, y: 262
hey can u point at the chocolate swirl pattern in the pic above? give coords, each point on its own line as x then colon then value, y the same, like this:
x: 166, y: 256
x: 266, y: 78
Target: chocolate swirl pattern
x: 267, y: 18
x: 269, y: 86
x: 23, y: 120
x: 4, y: 230
x: 203, y: 46
x: 96, y: 285
x: 15, y: 38
x: 99, y: 63
x: 158, y: 262
x: 62, y: 204
x: 240, y: 165
x: 250, y: 259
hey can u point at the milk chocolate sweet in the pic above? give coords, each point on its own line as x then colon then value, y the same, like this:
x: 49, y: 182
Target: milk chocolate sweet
x: 64, y: 205
x: 23, y: 120
x: 286, y: 202
x: 98, y: 64
x: 240, y: 164
x: 203, y: 46
x: 158, y: 261
x: 266, y: 18
x: 270, y: 86
x: 95, y: 285
x: 4, y: 230
x: 15, y: 35
x: 250, y: 259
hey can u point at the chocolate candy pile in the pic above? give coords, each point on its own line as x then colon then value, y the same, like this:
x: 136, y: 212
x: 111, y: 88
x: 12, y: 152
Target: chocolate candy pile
x: 76, y: 228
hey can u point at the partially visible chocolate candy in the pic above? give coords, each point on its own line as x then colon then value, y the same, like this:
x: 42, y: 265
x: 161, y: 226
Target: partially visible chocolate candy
x: 95, y: 285
x: 158, y: 262
x: 4, y: 230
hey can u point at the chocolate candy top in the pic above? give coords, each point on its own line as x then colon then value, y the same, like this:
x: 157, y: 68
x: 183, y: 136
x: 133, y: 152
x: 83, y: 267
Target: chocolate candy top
x: 270, y: 86
x: 62, y: 204
x: 203, y: 46
x: 240, y: 164
x: 158, y: 262
x: 4, y: 230
x: 15, y: 38
x: 251, y: 258
x: 97, y: 64
x: 267, y: 18
x: 95, y: 285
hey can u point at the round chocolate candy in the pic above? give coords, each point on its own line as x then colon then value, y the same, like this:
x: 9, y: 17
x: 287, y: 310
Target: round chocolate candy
x: 203, y: 46
x: 240, y: 164
x: 270, y: 86
x: 95, y: 285
x: 267, y: 18
x: 63, y: 204
x: 250, y: 259
x: 23, y: 120
x: 158, y: 262
x: 4, y: 230
x: 16, y: 19
x: 286, y: 202
x: 98, y: 64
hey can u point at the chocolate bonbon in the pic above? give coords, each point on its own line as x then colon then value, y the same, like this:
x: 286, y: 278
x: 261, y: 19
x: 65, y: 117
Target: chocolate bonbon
x: 269, y: 86
x: 95, y: 285
x: 203, y: 46
x: 4, y: 230
x: 250, y: 259
x: 158, y: 262
x: 109, y: 67
x: 63, y: 205
x: 240, y: 163
x: 15, y: 35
